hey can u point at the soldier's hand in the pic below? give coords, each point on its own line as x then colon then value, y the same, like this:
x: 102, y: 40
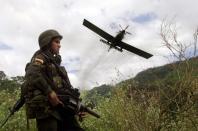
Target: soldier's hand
x: 53, y: 99
x: 82, y: 115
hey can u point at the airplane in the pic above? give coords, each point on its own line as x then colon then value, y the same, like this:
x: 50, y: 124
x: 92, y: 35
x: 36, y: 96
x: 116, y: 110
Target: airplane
x: 116, y: 42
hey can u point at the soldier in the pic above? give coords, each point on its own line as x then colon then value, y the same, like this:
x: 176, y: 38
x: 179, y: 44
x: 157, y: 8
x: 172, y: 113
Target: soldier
x: 42, y: 80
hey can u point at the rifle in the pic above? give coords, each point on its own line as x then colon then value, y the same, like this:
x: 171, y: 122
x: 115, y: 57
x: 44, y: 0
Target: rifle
x: 14, y: 109
x: 73, y: 104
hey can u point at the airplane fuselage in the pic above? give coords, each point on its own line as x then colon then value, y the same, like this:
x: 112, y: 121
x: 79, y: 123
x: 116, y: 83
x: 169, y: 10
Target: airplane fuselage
x: 120, y: 36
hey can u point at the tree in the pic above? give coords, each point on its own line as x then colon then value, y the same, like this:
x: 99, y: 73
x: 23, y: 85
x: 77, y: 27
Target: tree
x: 178, y: 94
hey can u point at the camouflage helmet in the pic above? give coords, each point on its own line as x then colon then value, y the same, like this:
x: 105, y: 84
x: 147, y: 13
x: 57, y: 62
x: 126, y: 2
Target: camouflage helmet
x: 46, y: 37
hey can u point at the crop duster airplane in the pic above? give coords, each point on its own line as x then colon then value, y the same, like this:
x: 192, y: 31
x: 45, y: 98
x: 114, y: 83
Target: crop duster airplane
x: 116, y: 42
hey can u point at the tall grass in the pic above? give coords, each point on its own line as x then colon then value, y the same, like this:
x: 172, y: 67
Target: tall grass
x: 18, y: 121
x: 121, y: 112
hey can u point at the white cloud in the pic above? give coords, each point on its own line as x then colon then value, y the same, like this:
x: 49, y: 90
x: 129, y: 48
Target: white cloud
x: 22, y: 21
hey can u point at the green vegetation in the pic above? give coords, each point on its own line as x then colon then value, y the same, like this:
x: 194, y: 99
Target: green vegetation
x: 9, y: 94
x: 162, y: 98
x: 123, y: 113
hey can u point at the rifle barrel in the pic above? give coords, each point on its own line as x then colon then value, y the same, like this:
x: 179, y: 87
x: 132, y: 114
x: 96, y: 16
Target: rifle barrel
x: 15, y: 108
x: 86, y: 109
x: 4, y: 122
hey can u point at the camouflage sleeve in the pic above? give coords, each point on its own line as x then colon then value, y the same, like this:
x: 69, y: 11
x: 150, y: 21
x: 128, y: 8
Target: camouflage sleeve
x: 34, y: 74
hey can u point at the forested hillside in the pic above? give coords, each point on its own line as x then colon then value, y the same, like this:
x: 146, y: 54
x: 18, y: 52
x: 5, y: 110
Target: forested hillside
x: 161, y: 98
x: 149, y: 78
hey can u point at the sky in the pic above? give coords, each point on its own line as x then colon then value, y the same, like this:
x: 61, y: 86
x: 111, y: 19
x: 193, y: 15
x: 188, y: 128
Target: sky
x: 86, y: 59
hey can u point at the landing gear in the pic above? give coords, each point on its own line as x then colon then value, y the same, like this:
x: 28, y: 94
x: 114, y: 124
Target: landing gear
x: 111, y: 45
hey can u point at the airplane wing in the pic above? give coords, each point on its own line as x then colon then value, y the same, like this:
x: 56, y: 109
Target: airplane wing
x: 97, y: 30
x: 134, y: 50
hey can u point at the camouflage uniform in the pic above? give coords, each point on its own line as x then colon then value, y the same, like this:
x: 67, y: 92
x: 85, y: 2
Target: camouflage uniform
x: 39, y: 73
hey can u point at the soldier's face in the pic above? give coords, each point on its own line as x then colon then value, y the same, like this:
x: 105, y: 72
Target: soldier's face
x: 55, y: 46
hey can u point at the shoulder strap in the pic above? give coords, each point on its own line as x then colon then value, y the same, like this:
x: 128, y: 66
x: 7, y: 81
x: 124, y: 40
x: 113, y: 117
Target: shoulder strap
x: 58, y: 68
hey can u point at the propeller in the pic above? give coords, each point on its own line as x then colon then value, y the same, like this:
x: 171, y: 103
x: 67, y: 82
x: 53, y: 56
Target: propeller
x: 124, y: 29
x: 127, y: 31
x: 121, y: 27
